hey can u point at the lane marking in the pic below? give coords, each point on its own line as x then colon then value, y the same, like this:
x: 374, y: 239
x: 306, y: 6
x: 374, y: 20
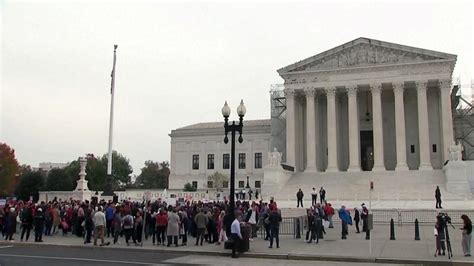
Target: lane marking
x: 6, y: 246
x: 78, y: 259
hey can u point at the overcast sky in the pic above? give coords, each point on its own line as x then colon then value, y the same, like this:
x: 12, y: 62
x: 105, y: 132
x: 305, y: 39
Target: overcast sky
x: 178, y: 62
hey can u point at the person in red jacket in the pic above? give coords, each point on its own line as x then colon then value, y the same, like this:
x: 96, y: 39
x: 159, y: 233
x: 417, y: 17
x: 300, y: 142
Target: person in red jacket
x: 161, y: 223
x: 329, y: 211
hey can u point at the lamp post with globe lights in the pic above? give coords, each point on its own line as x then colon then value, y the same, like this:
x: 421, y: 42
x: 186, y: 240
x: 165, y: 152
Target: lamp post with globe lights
x: 233, y: 128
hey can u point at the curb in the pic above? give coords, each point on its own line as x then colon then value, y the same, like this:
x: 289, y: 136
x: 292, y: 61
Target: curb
x: 259, y: 255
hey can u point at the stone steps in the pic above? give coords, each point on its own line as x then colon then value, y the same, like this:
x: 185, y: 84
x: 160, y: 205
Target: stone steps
x: 388, y: 185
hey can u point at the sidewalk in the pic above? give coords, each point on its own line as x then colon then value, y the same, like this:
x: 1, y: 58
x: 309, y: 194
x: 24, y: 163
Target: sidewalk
x: 402, y: 250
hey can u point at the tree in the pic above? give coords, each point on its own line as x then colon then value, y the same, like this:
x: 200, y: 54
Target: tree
x: 96, y: 170
x: 9, y: 170
x: 189, y: 188
x: 121, y: 168
x: 59, y: 180
x: 153, y: 175
x: 217, y: 180
x: 30, y: 184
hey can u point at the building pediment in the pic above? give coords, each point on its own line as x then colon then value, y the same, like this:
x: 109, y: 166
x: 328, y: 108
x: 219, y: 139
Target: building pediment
x: 364, y: 52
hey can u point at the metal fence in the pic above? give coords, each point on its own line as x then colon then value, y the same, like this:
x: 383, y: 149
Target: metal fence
x: 383, y: 216
x: 289, y: 226
x: 297, y: 226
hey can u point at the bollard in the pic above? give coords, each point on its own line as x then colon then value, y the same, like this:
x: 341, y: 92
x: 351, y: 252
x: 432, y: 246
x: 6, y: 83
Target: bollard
x: 392, y: 230
x: 367, y: 234
x: 298, y: 229
x: 417, y: 230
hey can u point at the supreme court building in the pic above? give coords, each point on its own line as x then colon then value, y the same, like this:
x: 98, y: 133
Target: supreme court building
x: 364, y: 109
x: 369, y: 105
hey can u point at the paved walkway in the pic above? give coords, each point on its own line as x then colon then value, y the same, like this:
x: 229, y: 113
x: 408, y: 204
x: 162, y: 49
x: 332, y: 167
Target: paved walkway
x: 387, y: 204
x: 355, y: 248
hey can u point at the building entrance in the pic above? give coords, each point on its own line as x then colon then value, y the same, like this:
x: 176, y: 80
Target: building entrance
x: 367, y: 150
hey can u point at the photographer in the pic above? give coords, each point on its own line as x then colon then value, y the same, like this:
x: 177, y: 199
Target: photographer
x: 440, y: 235
x: 466, y: 235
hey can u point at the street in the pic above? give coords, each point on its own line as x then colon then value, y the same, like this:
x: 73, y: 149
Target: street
x: 43, y: 255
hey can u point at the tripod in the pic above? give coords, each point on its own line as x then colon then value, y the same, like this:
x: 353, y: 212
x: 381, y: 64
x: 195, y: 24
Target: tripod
x: 448, y: 242
x: 444, y: 230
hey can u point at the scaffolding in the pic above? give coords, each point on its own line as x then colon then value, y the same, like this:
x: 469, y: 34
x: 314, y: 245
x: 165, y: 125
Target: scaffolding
x: 463, y: 121
x: 278, y: 118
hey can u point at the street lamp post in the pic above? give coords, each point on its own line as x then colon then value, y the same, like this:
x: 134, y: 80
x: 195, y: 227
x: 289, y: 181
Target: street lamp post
x: 232, y: 128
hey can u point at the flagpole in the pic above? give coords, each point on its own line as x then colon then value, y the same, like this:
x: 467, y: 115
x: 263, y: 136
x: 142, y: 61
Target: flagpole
x: 108, y: 186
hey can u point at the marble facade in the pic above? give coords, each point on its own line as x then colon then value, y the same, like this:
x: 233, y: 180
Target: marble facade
x: 369, y: 105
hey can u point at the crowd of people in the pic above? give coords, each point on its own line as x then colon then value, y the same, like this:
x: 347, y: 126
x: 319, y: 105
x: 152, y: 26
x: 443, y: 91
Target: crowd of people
x: 138, y: 221
x: 169, y: 225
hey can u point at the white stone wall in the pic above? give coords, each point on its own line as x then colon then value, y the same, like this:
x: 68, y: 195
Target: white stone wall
x: 470, y: 174
x: 186, y: 143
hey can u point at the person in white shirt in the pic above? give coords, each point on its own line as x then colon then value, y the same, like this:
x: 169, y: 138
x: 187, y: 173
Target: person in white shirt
x: 235, y: 234
x: 314, y: 197
x: 252, y: 219
x: 99, y: 222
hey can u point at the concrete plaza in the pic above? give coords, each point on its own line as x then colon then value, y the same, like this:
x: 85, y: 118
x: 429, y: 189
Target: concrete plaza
x: 403, y: 250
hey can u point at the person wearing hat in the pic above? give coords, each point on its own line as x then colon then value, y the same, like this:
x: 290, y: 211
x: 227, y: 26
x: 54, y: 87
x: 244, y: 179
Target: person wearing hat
x: 38, y: 222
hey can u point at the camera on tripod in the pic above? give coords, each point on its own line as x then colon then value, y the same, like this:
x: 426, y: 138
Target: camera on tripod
x: 442, y: 233
x: 444, y: 218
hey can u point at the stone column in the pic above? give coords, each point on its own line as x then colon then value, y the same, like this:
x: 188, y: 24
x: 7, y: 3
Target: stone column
x: 332, y: 133
x: 446, y: 117
x: 400, y: 133
x: 310, y: 131
x: 377, y: 127
x: 423, y: 129
x: 353, y: 117
x: 290, y: 127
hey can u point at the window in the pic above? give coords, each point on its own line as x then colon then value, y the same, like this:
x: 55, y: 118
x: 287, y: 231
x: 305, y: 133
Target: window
x: 412, y: 148
x: 241, y: 160
x: 225, y: 184
x: 225, y: 161
x: 258, y: 160
x: 210, y: 161
x: 241, y: 184
x: 434, y: 147
x: 258, y: 184
x: 195, y: 184
x: 195, y: 161
x: 210, y: 184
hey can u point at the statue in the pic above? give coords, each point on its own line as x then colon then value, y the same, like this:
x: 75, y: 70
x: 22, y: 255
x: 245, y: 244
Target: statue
x: 455, y: 151
x: 82, y: 182
x: 274, y: 158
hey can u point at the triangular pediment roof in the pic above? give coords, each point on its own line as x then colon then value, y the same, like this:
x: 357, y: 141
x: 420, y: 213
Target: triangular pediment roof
x: 366, y: 52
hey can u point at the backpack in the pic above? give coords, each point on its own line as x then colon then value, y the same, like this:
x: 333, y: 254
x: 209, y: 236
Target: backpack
x: 127, y: 221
